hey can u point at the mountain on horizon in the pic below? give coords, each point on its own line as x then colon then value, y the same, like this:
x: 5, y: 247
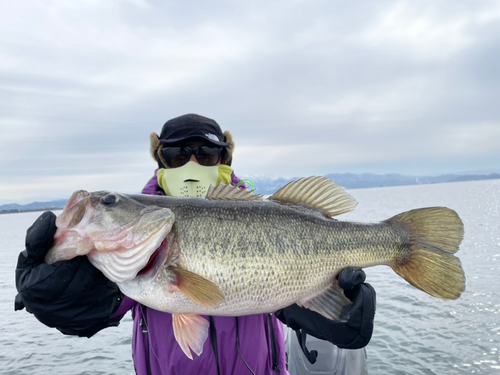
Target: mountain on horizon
x: 268, y: 185
x: 265, y: 185
x: 35, y: 206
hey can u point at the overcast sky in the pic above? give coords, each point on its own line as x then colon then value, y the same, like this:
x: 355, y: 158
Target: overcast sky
x: 305, y: 87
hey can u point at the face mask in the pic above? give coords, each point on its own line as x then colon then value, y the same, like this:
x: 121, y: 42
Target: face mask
x: 192, y: 179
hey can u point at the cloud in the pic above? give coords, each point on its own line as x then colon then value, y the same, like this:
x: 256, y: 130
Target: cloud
x: 305, y: 87
x: 423, y: 30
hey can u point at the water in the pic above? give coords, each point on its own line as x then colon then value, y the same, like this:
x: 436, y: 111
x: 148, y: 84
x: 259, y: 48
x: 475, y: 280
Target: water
x: 418, y: 334
x: 414, y: 333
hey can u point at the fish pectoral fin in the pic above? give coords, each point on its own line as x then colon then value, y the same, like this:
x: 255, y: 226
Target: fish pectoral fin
x: 191, y: 332
x: 318, y: 193
x: 332, y: 303
x: 198, y: 289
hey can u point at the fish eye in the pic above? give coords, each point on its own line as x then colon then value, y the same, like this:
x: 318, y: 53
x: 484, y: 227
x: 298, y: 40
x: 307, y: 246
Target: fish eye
x: 109, y: 199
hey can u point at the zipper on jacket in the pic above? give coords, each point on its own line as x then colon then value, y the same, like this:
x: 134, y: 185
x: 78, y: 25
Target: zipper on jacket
x: 273, y: 345
x: 213, y: 338
x: 144, y: 327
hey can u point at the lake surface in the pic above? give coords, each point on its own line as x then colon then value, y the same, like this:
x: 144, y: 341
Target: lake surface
x: 414, y: 333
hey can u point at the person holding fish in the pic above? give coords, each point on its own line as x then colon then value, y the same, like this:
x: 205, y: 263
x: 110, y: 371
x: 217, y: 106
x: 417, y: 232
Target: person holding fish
x: 73, y: 296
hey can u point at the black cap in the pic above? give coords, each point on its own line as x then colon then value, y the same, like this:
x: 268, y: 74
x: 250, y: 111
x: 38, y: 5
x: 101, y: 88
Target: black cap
x: 192, y: 126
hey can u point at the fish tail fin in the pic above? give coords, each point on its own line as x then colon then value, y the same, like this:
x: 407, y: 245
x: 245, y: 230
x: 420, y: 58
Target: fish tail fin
x: 435, y: 234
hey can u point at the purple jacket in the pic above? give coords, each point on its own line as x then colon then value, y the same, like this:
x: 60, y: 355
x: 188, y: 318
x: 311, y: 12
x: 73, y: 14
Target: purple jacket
x: 154, y: 345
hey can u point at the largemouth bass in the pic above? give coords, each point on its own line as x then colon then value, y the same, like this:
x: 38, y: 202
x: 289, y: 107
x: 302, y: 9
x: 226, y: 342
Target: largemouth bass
x: 235, y: 254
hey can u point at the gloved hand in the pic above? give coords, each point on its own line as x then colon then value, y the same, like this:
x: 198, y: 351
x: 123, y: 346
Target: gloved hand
x: 353, y: 334
x: 72, y: 296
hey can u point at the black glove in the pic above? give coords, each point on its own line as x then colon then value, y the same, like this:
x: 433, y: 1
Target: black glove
x: 353, y: 334
x: 72, y: 296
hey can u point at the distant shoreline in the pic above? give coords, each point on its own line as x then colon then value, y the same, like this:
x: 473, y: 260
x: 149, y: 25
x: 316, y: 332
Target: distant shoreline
x: 30, y: 210
x: 269, y: 185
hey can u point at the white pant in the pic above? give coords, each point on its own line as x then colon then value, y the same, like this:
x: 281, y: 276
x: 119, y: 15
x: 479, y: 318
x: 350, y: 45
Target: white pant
x: 331, y: 360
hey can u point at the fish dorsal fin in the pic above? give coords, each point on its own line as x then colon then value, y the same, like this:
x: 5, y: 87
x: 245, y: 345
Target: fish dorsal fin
x: 223, y: 192
x: 318, y: 193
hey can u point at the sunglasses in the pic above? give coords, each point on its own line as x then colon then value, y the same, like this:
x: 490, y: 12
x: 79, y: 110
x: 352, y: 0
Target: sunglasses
x: 178, y: 156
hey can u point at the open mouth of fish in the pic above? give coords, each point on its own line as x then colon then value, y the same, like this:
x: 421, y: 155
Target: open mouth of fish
x: 152, y: 262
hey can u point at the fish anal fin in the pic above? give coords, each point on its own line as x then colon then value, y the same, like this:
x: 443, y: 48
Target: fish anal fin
x: 191, y: 332
x: 198, y: 289
x: 332, y: 303
x: 319, y: 193
x: 231, y: 193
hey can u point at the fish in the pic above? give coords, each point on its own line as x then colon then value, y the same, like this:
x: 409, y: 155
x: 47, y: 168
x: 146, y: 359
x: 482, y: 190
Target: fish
x: 234, y: 253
